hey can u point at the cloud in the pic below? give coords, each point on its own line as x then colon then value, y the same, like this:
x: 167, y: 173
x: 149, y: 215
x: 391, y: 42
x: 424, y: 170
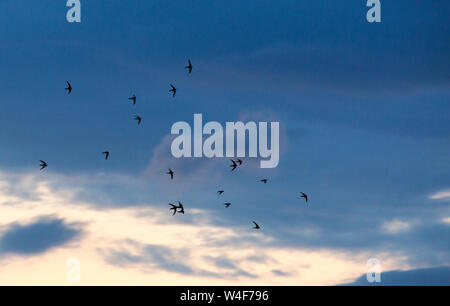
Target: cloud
x: 144, y: 244
x: 229, y: 265
x: 37, y: 237
x: 396, y: 226
x: 210, y: 243
x: 347, y: 69
x: 153, y: 257
x: 149, y: 258
x: 442, y: 195
x: 439, y: 276
x: 280, y: 273
x: 188, y: 171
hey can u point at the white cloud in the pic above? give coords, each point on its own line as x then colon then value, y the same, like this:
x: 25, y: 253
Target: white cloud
x: 446, y: 220
x: 396, y: 226
x: 442, y: 195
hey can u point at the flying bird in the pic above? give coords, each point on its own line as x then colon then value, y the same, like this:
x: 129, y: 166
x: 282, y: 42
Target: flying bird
x: 133, y: 98
x: 264, y: 181
x: 174, y: 208
x: 189, y: 66
x: 234, y: 165
x: 239, y: 162
x: 220, y: 192
x: 170, y: 173
x: 181, y: 208
x: 227, y: 205
x: 43, y: 164
x: 173, y: 90
x: 68, y: 88
x: 106, y: 154
x: 256, y: 225
x: 138, y: 119
x: 303, y: 195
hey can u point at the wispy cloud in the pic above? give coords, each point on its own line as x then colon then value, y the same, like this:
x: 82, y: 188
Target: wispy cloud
x: 396, y: 226
x: 441, y: 195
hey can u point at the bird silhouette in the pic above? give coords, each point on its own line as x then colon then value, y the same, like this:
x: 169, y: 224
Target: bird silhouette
x: 170, y: 173
x: 133, y: 98
x: 239, y: 162
x: 220, y: 192
x: 173, y: 90
x: 43, y: 164
x: 138, y: 119
x: 303, y: 195
x: 106, y: 155
x: 189, y: 67
x: 181, y: 208
x: 174, y: 208
x: 264, y: 181
x: 227, y: 205
x: 68, y: 88
x: 234, y: 165
x: 256, y: 225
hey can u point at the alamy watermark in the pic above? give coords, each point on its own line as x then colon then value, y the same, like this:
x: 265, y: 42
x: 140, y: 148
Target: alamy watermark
x: 213, y: 146
x: 74, y: 272
x: 374, y: 272
x: 74, y: 13
x: 374, y: 13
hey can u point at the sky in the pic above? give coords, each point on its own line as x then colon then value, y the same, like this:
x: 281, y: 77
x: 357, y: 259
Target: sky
x: 364, y: 131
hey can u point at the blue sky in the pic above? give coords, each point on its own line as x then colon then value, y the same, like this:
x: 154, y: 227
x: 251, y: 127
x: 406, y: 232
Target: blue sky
x: 363, y: 111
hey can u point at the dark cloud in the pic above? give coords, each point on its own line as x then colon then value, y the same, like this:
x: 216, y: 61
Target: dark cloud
x: 280, y: 273
x: 229, y: 264
x: 439, y: 276
x: 149, y: 258
x: 156, y: 257
x: 37, y: 237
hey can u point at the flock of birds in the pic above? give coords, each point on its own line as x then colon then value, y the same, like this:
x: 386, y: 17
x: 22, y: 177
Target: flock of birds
x: 177, y: 208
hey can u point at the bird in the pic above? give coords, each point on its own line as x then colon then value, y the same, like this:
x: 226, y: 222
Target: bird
x: 170, y: 173
x: 233, y: 166
x: 256, y: 225
x: 106, y: 154
x: 181, y: 208
x: 189, y: 66
x: 264, y: 181
x: 133, y: 98
x: 239, y: 161
x: 68, y: 88
x: 220, y: 192
x: 227, y: 205
x: 174, y: 208
x: 174, y: 90
x: 43, y: 164
x: 138, y: 119
x: 303, y: 195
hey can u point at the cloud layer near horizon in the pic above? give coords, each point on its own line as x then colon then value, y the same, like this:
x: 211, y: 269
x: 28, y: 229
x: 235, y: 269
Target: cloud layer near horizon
x: 146, y: 245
